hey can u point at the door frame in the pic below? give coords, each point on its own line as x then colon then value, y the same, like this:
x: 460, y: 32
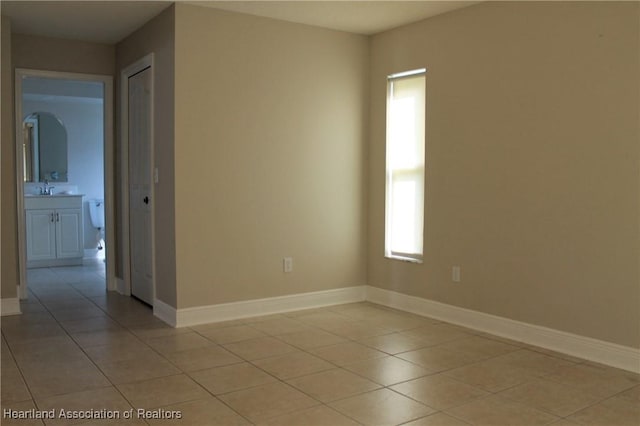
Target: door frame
x: 124, y: 286
x: 109, y: 168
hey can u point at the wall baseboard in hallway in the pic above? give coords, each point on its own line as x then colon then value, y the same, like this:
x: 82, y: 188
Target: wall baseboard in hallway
x: 10, y: 306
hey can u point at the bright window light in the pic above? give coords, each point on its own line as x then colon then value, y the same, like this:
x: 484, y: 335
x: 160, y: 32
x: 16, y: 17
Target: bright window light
x: 405, y: 165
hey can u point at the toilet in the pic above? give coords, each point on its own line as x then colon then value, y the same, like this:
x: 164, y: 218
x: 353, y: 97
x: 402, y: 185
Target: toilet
x: 96, y: 213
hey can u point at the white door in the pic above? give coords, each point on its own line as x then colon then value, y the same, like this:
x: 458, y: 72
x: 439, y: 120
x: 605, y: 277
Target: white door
x: 69, y: 241
x: 140, y: 202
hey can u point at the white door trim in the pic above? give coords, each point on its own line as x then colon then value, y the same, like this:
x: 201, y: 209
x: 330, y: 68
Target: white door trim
x: 107, y: 81
x: 145, y: 62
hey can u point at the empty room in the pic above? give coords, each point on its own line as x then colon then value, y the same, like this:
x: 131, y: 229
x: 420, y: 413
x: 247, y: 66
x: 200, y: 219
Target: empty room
x: 320, y: 213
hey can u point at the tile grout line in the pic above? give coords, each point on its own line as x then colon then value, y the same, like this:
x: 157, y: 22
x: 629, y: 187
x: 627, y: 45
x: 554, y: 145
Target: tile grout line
x: 113, y: 385
x: 491, y: 393
x: 24, y: 380
x: 348, y: 339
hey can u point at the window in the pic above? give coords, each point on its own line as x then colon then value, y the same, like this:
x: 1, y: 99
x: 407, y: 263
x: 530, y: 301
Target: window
x: 405, y: 165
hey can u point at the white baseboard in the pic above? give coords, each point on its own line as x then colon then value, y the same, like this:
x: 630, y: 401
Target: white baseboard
x: 251, y: 308
x: 74, y: 261
x: 165, y: 312
x: 588, y: 348
x: 612, y: 354
x: 112, y: 283
x: 10, y: 306
x: 121, y: 287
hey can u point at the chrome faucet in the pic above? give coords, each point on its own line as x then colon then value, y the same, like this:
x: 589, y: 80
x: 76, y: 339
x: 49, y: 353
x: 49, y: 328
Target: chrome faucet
x: 46, y: 189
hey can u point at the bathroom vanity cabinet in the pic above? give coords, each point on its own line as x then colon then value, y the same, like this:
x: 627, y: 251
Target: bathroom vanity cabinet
x: 54, y: 230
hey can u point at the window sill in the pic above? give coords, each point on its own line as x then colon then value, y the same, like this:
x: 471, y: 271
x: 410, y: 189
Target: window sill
x: 403, y: 259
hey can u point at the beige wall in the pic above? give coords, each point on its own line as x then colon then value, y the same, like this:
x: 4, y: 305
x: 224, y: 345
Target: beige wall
x: 157, y: 36
x: 532, y: 163
x: 54, y: 54
x: 8, y: 225
x: 270, y: 157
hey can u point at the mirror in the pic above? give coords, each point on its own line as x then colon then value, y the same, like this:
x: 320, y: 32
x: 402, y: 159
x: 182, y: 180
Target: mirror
x: 45, y: 148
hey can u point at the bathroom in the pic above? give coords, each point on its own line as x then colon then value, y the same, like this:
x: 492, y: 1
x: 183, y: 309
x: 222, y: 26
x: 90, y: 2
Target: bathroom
x: 73, y: 109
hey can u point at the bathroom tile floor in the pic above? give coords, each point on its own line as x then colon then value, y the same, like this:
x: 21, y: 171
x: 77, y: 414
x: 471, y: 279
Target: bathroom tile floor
x: 79, y: 348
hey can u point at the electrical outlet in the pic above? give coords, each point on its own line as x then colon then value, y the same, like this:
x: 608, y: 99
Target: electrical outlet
x: 287, y: 264
x: 455, y: 274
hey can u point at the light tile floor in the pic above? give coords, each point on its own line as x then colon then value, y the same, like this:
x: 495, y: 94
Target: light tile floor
x: 77, y: 347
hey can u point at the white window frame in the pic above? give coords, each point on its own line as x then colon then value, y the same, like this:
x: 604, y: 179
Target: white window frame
x: 414, y: 173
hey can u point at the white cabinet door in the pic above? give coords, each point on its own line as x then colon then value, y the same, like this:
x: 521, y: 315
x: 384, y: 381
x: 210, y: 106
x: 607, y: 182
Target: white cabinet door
x: 68, y: 234
x: 41, y: 234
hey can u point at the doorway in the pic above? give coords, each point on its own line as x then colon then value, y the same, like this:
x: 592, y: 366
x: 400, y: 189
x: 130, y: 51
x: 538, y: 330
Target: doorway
x: 70, y: 158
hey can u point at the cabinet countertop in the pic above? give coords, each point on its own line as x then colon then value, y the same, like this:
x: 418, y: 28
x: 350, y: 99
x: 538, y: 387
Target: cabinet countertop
x: 39, y: 202
x: 52, y: 196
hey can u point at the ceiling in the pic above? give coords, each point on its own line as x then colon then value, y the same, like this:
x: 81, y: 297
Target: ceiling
x: 360, y: 17
x: 111, y: 21
x: 97, y: 21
